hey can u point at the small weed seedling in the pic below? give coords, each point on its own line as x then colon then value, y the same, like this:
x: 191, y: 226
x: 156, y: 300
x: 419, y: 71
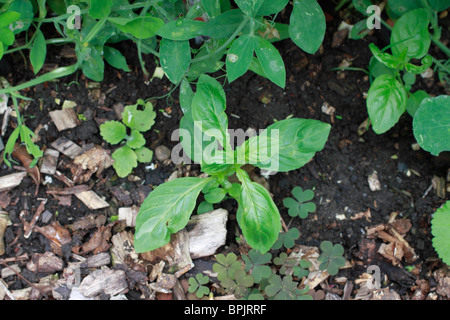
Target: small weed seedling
x: 133, y: 148
x: 331, y: 258
x: 440, y: 228
x: 299, y: 205
x: 197, y: 285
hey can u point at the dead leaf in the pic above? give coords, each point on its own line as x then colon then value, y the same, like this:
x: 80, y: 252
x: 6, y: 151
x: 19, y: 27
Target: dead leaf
x: 99, y: 242
x: 57, y: 234
x: 363, y: 214
x: 20, y: 152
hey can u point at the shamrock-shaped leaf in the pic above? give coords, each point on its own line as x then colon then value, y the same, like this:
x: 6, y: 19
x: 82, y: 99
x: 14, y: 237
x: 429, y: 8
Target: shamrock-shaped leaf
x: 287, y: 239
x: 255, y: 263
x: 331, y: 257
x: 299, y: 205
x: 196, y: 284
x: 281, y: 288
x: 240, y: 284
x: 226, y: 266
x: 301, y: 270
x: 254, y: 294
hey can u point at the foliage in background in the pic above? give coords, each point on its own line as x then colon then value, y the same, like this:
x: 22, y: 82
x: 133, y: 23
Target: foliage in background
x: 440, y: 228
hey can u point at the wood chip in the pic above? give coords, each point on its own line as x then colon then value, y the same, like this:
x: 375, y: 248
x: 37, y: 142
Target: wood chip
x: 92, y: 200
x: 11, y: 181
x: 46, y: 262
x: 128, y: 214
x: 65, y: 119
x: 67, y: 147
x: 108, y: 281
x: 49, y: 161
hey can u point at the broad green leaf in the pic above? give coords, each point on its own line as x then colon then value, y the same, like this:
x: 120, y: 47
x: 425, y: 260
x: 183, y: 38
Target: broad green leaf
x: 1, y: 50
x: 100, y: 8
x: 224, y: 25
x: 410, y: 33
x: 115, y: 58
x: 140, y: 27
x: 208, y: 109
x: 415, y: 100
x: 6, y: 36
x: 210, y: 64
x: 359, y: 30
x: 439, y: 5
x: 216, y: 195
x: 299, y: 140
x: 144, y: 155
x: 400, y: 7
x: 307, y: 25
x: 204, y: 207
x: 125, y: 159
x: 240, y: 56
x: 389, y: 60
x: 166, y: 210
x: 431, y: 124
x: 8, y: 17
x: 181, y: 29
x: 249, y: 7
x: 271, y: 61
x: 93, y: 65
x: 212, y: 7
x: 185, y: 96
x: 256, y: 262
x: 271, y: 6
x: 440, y: 228
x: 135, y: 118
x: 386, y: 102
x: 38, y: 52
x: 175, y: 58
x: 135, y: 140
x: 259, y: 218
x: 25, y: 9
x: 113, y: 131
x: 426, y: 61
x: 26, y: 136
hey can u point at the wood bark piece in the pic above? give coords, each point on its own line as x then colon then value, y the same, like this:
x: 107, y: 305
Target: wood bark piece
x: 128, y: 214
x: 108, y: 281
x: 11, y: 180
x: 207, y: 232
x: 45, y: 262
x: 49, y: 161
x: 92, y: 200
x: 122, y: 250
x: 65, y: 119
x: 67, y: 147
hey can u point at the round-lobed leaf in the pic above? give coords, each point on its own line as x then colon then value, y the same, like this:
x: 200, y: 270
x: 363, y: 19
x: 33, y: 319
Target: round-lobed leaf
x: 113, y: 131
x: 440, y: 228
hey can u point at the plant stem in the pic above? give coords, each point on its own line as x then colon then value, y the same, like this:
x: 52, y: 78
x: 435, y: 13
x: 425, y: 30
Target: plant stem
x: 28, y: 46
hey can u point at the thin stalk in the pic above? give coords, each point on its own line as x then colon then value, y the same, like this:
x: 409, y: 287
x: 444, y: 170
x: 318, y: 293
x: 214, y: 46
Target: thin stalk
x: 28, y: 46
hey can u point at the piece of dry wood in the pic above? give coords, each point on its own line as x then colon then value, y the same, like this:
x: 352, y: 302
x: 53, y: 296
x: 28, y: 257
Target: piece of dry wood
x: 46, y: 262
x: 64, y: 119
x: 28, y: 226
x: 108, y: 281
x: 49, y: 161
x: 207, y: 232
x: 67, y: 147
x: 11, y: 180
x: 128, y: 214
x: 92, y: 200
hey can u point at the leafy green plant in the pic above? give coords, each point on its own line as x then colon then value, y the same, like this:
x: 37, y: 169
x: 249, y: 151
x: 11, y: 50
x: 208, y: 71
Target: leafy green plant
x: 299, y: 206
x: 256, y: 264
x: 285, y: 145
x: 284, y: 288
x: 393, y: 74
x: 133, y: 148
x: 197, y: 285
x: 286, y: 239
x: 331, y: 258
x: 440, y: 228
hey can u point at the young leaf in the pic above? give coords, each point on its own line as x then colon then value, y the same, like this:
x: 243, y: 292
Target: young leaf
x: 440, y: 228
x: 226, y: 266
x: 410, y: 34
x: 38, y: 52
x: 331, y: 257
x: 8, y: 17
x: 113, y: 131
x: 196, y: 284
x: 271, y: 61
x: 115, y: 58
x: 224, y: 25
x: 299, y: 206
x: 386, y: 102
x: 414, y: 101
x: 259, y: 218
x: 181, y: 29
x: 256, y: 262
x: 175, y: 58
x: 141, y: 120
x: 307, y: 25
x: 144, y: 155
x: 216, y: 195
x: 250, y: 7
x: 166, y: 210
x: 135, y: 140
x: 287, y: 239
x: 93, y: 65
x: 431, y: 124
x: 281, y: 288
x: 240, y: 56
x: 125, y: 160
x: 204, y: 207
x: 140, y: 27
x: 100, y: 8
x: 271, y: 6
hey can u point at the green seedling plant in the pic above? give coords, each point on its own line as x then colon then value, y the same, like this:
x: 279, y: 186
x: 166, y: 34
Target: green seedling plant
x: 299, y: 205
x: 394, y: 69
x: 132, y: 149
x: 440, y: 229
x: 197, y: 285
x: 284, y: 146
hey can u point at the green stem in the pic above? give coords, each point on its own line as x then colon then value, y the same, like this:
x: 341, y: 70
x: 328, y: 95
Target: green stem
x: 28, y: 46
x: 234, y: 35
x: 94, y: 31
x: 16, y: 108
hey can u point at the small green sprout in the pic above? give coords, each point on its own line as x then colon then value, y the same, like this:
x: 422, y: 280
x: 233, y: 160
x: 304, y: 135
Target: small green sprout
x: 299, y: 205
x: 331, y: 258
x: 255, y: 263
x: 287, y: 239
x: 197, y: 285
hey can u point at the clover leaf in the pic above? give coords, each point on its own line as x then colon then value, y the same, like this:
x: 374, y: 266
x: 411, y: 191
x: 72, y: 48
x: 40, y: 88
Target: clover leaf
x: 255, y: 262
x: 226, y: 266
x: 196, y: 284
x: 286, y: 239
x: 331, y: 258
x: 299, y: 205
x: 281, y: 288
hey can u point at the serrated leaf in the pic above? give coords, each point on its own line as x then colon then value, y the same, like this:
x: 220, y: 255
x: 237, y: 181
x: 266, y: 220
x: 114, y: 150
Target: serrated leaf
x: 135, y: 140
x: 144, y: 155
x: 125, y: 160
x: 440, y: 228
x: 113, y: 131
x: 386, y: 102
x: 141, y: 120
x: 166, y: 210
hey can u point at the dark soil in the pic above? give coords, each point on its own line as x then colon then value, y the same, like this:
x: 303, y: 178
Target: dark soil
x: 338, y: 174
